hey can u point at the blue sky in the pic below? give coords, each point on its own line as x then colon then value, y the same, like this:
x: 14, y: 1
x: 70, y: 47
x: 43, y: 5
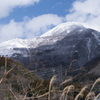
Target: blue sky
x: 59, y: 7
x: 27, y: 19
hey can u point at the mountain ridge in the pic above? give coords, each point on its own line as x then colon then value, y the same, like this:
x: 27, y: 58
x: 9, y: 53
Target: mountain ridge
x: 50, y: 37
x: 57, y: 50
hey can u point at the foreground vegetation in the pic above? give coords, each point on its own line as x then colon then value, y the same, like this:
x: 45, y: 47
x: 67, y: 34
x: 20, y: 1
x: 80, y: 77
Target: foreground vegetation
x: 18, y: 83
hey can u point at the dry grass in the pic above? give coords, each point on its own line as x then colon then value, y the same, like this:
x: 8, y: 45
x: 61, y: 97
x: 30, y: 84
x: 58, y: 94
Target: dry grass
x: 98, y: 80
x: 10, y: 88
x: 66, y: 81
x: 90, y: 96
x: 71, y: 64
x: 7, y: 73
x: 51, y: 82
x: 97, y: 96
x: 67, y: 92
x: 5, y: 64
x: 81, y: 93
x: 64, y: 92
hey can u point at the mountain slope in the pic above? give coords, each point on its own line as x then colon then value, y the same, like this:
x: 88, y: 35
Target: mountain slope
x: 80, y: 46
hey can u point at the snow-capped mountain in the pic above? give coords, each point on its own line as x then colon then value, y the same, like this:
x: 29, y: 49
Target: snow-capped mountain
x: 57, y: 47
x: 50, y: 37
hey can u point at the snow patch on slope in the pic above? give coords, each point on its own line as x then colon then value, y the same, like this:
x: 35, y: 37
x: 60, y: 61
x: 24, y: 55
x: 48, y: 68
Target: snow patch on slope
x: 7, y: 48
x: 89, y: 48
x: 15, y: 43
x: 97, y: 36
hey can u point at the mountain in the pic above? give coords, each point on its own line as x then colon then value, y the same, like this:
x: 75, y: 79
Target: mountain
x: 65, y: 48
x: 50, y: 37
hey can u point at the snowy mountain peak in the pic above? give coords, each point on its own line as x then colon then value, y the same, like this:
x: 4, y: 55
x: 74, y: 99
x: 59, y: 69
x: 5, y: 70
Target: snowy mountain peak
x: 68, y: 27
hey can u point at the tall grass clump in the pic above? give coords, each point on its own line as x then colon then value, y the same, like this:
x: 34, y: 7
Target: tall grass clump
x: 50, y: 85
x: 98, y: 96
x: 90, y: 96
x: 98, y: 80
x: 81, y: 93
x: 44, y: 89
x: 66, y: 91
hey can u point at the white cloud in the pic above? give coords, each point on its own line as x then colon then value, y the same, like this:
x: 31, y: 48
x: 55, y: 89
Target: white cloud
x: 10, y: 31
x: 86, y: 11
x: 6, y: 6
x: 42, y: 23
x: 29, y: 28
